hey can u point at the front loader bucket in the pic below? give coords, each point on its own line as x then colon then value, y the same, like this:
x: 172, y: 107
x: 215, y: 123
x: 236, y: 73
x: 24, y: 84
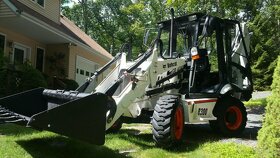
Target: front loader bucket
x: 73, y: 114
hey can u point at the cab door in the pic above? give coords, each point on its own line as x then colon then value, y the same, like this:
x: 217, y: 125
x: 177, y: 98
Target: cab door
x: 238, y: 65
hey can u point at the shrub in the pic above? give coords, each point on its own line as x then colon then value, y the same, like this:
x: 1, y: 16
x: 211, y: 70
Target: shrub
x: 8, y: 81
x: 30, y: 78
x: 269, y: 135
x: 19, y: 78
x: 62, y: 83
x: 256, y: 102
x: 70, y: 84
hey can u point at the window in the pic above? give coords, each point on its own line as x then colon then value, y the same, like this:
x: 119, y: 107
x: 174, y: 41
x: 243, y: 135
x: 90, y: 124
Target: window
x: 87, y: 73
x: 210, y: 44
x: 183, y: 42
x: 77, y: 71
x: 21, y: 54
x: 237, y: 58
x: 40, y: 59
x: 40, y: 2
x: 165, y: 40
x: 18, y: 56
x: 82, y: 72
x: 2, y: 43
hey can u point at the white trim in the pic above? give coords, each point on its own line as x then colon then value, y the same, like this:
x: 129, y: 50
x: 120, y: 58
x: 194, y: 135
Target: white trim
x: 44, y: 57
x: 27, y: 55
x: 5, y: 42
x: 13, y: 8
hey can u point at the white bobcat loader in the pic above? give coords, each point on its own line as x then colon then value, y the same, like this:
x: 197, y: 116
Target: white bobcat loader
x: 196, y: 70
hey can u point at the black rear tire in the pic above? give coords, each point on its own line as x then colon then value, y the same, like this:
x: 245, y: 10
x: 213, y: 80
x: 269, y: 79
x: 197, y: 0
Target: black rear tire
x: 231, y: 117
x: 168, y: 121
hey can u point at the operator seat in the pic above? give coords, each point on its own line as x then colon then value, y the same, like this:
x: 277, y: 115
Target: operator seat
x: 208, y: 81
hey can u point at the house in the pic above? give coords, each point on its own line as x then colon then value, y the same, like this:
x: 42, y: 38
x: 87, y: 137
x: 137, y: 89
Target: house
x: 34, y: 31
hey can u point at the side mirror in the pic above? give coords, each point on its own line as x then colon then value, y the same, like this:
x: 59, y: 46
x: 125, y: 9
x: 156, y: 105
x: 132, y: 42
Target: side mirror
x: 149, y: 35
x: 146, y: 36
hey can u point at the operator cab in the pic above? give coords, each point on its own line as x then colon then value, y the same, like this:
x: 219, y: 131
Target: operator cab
x: 216, y: 54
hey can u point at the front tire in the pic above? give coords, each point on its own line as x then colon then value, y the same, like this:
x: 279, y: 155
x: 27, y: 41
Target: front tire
x: 168, y: 121
x: 231, y: 117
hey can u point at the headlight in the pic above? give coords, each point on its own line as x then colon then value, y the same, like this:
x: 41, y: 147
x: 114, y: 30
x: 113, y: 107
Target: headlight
x: 194, y: 53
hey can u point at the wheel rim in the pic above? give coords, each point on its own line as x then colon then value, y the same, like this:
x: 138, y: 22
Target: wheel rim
x: 233, y: 118
x: 178, y: 122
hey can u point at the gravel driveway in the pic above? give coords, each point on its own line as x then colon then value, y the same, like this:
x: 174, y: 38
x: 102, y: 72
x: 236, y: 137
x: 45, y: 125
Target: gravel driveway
x: 260, y: 95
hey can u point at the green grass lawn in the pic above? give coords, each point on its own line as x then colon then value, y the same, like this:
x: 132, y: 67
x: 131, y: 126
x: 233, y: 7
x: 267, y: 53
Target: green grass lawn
x: 20, y: 142
x: 256, y: 102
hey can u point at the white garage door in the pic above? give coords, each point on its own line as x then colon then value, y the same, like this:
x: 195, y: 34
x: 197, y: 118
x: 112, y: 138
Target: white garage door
x: 84, y: 69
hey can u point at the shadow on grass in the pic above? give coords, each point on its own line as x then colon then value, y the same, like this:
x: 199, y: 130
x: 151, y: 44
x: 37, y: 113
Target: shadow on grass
x: 194, y: 136
x: 55, y: 146
x: 62, y: 147
x: 58, y: 146
x: 13, y: 129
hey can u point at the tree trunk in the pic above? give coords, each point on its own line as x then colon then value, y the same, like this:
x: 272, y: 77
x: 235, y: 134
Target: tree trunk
x: 85, y: 14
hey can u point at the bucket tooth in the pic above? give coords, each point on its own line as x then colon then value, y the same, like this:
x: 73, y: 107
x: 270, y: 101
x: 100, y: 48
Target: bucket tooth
x: 5, y: 114
x: 2, y: 110
x: 10, y: 117
x: 15, y: 121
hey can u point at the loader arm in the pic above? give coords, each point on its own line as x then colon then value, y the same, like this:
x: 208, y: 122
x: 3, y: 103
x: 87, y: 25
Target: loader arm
x: 136, y: 79
x: 84, y: 86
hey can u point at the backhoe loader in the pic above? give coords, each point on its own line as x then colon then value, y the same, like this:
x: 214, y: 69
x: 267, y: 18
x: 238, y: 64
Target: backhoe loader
x: 195, y: 70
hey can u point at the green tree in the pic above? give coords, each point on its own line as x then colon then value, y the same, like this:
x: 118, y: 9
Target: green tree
x: 112, y: 23
x: 265, y: 41
x: 269, y: 135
